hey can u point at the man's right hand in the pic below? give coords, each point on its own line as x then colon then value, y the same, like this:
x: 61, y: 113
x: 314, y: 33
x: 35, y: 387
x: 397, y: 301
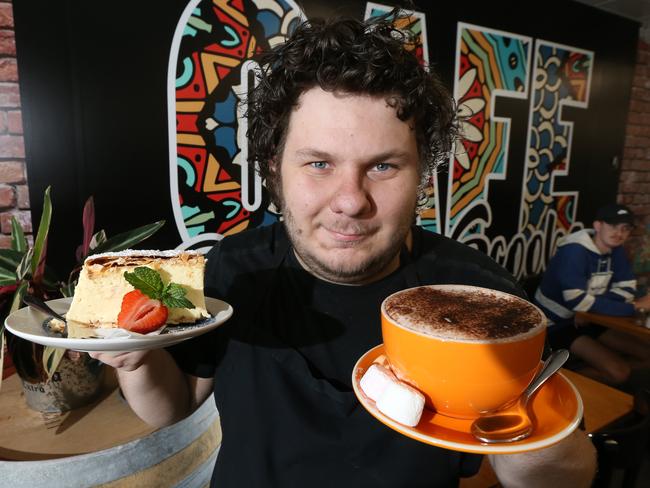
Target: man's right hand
x: 642, y: 303
x: 124, y: 361
x: 153, y: 385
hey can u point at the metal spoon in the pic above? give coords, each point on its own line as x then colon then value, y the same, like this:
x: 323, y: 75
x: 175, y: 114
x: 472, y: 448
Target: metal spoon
x: 513, y: 423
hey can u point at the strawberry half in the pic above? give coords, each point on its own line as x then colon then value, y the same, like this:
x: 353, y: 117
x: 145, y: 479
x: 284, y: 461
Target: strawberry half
x: 141, y: 314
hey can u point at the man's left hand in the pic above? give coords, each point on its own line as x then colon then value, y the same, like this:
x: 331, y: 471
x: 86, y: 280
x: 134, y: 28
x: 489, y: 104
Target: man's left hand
x: 570, y: 463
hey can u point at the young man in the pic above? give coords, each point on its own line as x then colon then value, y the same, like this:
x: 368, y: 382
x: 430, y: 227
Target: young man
x: 590, y: 273
x: 346, y: 126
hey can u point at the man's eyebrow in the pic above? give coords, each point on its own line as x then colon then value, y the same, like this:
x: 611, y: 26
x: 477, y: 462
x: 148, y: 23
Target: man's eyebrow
x: 391, y: 154
x: 309, y: 152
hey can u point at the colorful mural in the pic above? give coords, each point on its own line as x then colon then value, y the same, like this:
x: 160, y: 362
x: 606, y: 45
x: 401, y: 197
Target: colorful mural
x: 562, y: 77
x: 415, y: 24
x: 214, y: 192
x: 489, y: 63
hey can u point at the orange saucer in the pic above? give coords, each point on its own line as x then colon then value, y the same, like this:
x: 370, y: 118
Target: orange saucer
x: 556, y: 411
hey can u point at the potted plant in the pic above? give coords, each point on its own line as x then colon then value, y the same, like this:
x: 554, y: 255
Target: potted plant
x: 54, y: 379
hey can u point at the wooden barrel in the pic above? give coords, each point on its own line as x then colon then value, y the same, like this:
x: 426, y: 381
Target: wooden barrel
x: 181, y: 455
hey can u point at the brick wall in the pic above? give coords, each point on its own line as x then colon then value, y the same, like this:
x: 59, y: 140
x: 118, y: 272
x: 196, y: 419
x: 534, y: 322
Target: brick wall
x: 634, y: 183
x: 14, y: 196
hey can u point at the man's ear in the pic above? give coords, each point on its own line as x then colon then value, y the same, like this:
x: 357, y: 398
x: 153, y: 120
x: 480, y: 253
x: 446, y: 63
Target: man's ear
x: 597, y: 225
x: 273, y: 166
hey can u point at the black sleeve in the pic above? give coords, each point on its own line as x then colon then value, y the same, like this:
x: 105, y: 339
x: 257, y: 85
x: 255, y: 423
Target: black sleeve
x: 470, y: 464
x: 198, y: 356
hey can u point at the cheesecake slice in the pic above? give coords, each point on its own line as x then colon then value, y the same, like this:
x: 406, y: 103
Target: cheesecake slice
x: 101, y: 287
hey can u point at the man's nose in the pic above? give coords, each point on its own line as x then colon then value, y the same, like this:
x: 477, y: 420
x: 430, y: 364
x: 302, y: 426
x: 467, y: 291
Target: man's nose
x: 620, y: 231
x: 351, y: 197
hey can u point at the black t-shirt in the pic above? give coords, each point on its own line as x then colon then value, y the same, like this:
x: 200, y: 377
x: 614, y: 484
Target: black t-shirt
x: 283, y: 364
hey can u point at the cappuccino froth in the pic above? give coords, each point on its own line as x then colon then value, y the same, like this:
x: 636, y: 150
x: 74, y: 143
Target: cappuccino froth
x: 464, y: 313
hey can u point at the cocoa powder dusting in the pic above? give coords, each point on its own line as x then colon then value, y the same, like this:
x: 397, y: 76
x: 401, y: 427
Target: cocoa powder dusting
x: 467, y: 314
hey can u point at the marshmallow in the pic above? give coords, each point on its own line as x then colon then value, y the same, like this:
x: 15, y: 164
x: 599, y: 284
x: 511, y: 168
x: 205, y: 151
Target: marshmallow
x: 402, y: 403
x: 375, y: 380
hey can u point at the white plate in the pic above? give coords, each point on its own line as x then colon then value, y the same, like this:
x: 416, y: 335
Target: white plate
x: 28, y: 324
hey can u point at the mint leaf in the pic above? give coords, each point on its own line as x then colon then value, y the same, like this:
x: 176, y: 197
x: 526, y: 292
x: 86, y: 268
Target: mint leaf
x: 174, y: 297
x: 147, y: 280
x: 177, y: 302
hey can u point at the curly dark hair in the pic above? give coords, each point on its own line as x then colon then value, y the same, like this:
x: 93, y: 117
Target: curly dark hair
x: 352, y: 56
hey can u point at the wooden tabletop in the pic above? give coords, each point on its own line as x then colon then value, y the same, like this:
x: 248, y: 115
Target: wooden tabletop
x: 27, y: 435
x: 623, y: 324
x: 603, y: 404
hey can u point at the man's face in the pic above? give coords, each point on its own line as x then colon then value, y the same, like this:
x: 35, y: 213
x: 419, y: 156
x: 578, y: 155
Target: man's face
x: 609, y: 236
x: 349, y: 178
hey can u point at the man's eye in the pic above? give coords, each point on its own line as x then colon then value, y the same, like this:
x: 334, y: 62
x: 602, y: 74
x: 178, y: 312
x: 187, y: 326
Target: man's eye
x: 383, y: 167
x: 319, y: 165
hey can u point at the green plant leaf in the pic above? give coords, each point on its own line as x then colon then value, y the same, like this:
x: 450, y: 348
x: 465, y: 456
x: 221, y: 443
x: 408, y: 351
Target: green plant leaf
x: 43, y: 229
x: 18, y: 297
x: 18, y: 241
x: 25, y: 264
x: 67, y: 289
x: 52, y: 357
x: 128, y: 239
x: 10, y: 258
x: 98, y: 238
x: 7, y: 277
x: 147, y: 280
x: 174, y: 297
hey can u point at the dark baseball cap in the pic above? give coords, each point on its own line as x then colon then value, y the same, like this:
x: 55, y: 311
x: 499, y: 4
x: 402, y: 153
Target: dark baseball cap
x: 615, y: 214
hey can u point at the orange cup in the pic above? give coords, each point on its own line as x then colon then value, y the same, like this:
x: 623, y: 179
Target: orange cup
x: 462, y: 378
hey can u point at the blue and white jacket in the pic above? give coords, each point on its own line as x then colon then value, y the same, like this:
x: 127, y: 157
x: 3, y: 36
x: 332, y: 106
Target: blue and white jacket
x: 579, y: 278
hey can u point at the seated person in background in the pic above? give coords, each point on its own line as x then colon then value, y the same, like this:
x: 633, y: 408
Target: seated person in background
x: 591, y: 273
